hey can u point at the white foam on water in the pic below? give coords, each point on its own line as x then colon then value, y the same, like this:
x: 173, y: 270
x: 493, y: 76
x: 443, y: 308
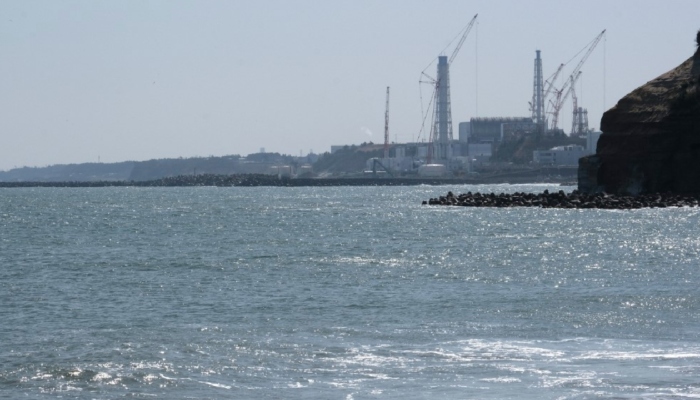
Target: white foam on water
x: 501, y: 379
x: 438, y: 353
x: 372, y: 360
x: 511, y: 368
x: 76, y: 372
x: 343, y: 385
x: 512, y: 350
x: 152, y: 365
x: 580, y: 379
x: 379, y: 376
x: 101, y: 376
x: 42, y: 375
x: 618, y: 355
x: 216, y: 385
x: 167, y: 378
x: 68, y: 388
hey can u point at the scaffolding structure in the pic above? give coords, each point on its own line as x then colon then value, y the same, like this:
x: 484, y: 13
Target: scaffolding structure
x: 580, y: 122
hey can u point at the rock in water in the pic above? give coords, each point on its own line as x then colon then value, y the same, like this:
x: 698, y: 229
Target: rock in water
x: 651, y: 138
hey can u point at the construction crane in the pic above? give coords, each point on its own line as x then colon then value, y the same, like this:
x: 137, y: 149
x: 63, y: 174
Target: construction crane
x: 465, y: 32
x: 564, y: 91
x: 569, y: 85
x: 441, y: 130
x: 461, y: 40
x: 541, y: 92
x: 574, y: 101
x: 579, y: 125
x: 386, y: 126
x: 549, y: 83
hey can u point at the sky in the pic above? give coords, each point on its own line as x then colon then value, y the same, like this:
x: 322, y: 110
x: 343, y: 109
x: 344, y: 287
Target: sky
x: 92, y: 80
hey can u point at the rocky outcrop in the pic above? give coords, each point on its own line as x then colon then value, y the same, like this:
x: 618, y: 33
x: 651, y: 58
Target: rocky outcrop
x: 651, y: 138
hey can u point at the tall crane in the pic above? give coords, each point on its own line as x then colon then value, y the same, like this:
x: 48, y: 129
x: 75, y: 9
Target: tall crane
x: 563, y: 92
x: 441, y: 131
x: 386, y: 126
x: 462, y: 39
x: 549, y: 83
x: 569, y: 85
x: 574, y: 122
x: 465, y: 32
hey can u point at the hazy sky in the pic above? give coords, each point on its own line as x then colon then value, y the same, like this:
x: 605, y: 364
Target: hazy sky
x: 135, y: 80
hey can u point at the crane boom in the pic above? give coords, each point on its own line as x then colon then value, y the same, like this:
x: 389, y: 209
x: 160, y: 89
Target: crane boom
x: 549, y: 83
x: 574, y: 123
x: 462, y: 39
x: 440, y: 100
x: 386, y: 126
x: 594, y: 43
x: 570, y: 83
x: 560, y: 96
x: 548, y: 86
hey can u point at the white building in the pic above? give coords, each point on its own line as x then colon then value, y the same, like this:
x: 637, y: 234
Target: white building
x: 561, y: 155
x: 432, y: 171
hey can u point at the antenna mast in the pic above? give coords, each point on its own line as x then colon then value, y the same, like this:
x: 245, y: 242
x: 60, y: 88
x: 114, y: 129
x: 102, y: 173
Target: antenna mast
x: 386, y: 125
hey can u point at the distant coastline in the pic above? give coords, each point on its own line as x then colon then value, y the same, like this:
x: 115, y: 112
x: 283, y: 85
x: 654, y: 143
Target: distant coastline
x: 543, y: 175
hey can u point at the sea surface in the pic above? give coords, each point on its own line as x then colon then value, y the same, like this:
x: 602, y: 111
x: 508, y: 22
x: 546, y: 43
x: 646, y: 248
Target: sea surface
x: 342, y: 293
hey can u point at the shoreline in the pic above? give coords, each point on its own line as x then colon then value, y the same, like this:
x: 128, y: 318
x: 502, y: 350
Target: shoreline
x: 252, y: 180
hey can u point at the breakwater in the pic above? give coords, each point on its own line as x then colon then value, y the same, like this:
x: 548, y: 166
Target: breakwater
x: 272, y: 180
x: 561, y: 199
x: 175, y: 181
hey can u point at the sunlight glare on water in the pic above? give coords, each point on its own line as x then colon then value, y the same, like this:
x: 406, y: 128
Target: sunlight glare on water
x: 342, y: 293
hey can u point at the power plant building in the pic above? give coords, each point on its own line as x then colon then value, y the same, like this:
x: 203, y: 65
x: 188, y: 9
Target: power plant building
x: 494, y: 130
x: 464, y: 130
x: 560, y: 155
x: 479, y: 138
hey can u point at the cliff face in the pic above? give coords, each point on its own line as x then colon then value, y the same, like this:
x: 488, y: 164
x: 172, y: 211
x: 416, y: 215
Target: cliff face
x: 651, y: 138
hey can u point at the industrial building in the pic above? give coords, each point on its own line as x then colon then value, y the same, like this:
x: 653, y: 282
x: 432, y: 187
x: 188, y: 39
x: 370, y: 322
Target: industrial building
x: 560, y: 155
x: 480, y: 137
x: 567, y: 155
x: 497, y: 129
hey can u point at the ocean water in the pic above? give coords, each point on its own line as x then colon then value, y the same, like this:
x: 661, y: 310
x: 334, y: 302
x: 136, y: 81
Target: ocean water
x: 342, y: 293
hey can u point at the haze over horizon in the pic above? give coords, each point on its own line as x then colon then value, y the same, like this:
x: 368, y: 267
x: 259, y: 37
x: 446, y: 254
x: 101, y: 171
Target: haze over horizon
x: 138, y: 80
